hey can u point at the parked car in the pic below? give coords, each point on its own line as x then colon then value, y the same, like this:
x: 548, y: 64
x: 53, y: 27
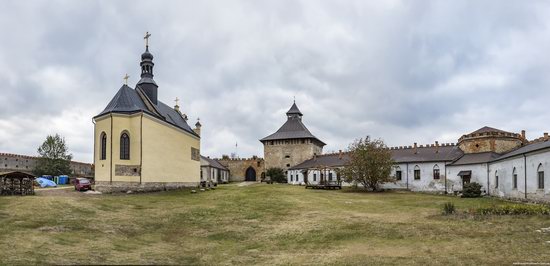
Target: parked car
x: 81, y: 184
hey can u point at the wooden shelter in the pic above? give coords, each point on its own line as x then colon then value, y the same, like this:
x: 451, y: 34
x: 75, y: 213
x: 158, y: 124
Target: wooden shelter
x: 16, y: 183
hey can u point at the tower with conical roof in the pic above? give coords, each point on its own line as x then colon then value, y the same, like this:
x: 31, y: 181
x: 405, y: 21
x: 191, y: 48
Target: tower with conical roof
x: 292, y: 144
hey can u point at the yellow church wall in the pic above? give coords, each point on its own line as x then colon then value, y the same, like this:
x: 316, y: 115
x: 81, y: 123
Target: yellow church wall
x: 167, y: 153
x: 121, y: 123
x: 102, y: 167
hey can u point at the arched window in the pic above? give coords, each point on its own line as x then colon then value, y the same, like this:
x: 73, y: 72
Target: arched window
x: 496, y: 179
x: 103, y: 146
x: 540, y: 173
x: 397, y: 173
x: 514, y: 179
x: 124, y: 146
x: 436, y: 172
x: 416, y: 172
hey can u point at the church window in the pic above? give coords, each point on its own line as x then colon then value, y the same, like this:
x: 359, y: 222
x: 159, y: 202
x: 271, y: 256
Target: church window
x: 103, y: 147
x: 124, y: 147
x: 416, y: 172
x: 329, y: 176
x: 314, y: 177
x: 540, y: 172
x: 514, y: 179
x: 436, y: 172
x: 291, y: 178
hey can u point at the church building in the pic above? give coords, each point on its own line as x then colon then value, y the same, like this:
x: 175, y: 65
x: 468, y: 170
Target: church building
x: 142, y: 144
x: 291, y: 144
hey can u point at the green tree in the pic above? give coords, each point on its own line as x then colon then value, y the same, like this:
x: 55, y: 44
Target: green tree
x: 276, y: 174
x: 54, y: 157
x: 370, y: 163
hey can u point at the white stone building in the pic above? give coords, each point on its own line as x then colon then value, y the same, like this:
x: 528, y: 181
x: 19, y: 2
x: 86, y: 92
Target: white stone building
x: 212, y: 172
x: 506, y: 164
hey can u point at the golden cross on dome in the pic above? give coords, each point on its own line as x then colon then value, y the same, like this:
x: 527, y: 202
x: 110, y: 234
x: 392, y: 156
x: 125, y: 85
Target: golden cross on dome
x: 176, y: 100
x: 126, y: 79
x: 147, y: 35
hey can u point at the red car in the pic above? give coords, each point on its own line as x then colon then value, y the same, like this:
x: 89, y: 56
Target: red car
x: 82, y: 184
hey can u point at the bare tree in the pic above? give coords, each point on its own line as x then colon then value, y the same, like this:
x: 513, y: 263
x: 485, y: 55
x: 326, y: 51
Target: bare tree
x: 370, y: 163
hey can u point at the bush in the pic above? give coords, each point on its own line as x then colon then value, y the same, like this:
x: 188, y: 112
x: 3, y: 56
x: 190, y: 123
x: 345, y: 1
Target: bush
x: 471, y: 190
x: 515, y: 209
x: 276, y: 175
x: 448, y: 208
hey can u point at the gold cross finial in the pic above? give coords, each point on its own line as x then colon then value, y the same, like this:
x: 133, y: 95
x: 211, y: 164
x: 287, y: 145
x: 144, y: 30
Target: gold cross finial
x: 126, y: 79
x: 176, y: 100
x: 147, y: 35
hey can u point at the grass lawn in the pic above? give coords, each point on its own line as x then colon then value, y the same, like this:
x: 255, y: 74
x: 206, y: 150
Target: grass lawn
x: 262, y: 224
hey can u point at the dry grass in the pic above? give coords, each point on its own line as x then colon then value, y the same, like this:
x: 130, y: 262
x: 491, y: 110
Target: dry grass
x: 262, y: 224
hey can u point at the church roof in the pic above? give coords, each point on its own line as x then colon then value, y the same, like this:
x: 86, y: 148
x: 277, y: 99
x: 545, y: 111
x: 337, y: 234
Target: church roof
x: 292, y: 129
x: 128, y: 101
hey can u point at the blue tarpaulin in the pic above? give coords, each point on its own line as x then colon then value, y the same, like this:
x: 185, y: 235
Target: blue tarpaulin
x: 43, y: 182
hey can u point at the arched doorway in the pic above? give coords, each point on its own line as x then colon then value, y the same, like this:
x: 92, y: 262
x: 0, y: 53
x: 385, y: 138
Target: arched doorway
x: 250, y: 174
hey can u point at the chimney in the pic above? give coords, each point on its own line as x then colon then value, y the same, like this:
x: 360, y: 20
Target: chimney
x: 415, y: 148
x: 340, y: 155
x: 436, y: 146
x: 523, y: 134
x: 198, y: 126
x: 545, y: 136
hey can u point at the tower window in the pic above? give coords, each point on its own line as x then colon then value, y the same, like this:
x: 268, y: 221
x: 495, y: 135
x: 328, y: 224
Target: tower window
x: 287, y: 156
x: 124, y: 147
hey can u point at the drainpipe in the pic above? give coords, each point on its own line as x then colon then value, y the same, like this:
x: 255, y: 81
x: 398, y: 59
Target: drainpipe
x: 488, y: 185
x: 407, y: 175
x: 444, y: 171
x: 141, y: 148
x: 525, y: 174
x: 111, y: 140
x: 93, y: 122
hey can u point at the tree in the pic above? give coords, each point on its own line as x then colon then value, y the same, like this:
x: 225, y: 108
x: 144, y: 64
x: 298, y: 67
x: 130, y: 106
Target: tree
x: 370, y: 163
x: 276, y: 174
x: 54, y: 157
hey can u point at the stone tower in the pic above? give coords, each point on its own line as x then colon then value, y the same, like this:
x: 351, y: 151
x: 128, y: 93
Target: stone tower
x: 291, y: 144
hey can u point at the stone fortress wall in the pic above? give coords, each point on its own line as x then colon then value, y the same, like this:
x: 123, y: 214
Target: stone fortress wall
x: 25, y: 163
x: 238, y: 167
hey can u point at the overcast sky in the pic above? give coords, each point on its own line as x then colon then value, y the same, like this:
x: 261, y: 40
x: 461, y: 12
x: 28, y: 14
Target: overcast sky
x: 404, y: 71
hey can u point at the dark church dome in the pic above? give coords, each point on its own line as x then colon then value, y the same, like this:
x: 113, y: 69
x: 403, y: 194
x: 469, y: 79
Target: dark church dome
x: 147, y: 55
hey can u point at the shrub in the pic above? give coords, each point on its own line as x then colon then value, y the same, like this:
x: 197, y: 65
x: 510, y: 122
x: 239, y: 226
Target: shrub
x: 471, y: 190
x: 276, y: 175
x: 515, y: 209
x: 448, y: 208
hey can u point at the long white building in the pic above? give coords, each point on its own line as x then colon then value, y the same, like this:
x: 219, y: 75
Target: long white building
x: 506, y: 164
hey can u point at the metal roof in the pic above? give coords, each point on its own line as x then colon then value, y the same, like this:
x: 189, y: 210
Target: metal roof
x: 128, y: 101
x: 531, y: 147
x: 293, y: 128
x: 445, y: 153
x: 213, y: 163
x: 476, y: 158
x: 486, y: 129
x: 325, y: 160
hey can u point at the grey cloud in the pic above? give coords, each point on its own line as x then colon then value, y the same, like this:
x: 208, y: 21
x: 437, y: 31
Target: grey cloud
x: 404, y: 71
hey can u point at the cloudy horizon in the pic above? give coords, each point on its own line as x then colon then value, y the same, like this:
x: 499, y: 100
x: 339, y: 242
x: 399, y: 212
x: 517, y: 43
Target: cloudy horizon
x: 398, y: 70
